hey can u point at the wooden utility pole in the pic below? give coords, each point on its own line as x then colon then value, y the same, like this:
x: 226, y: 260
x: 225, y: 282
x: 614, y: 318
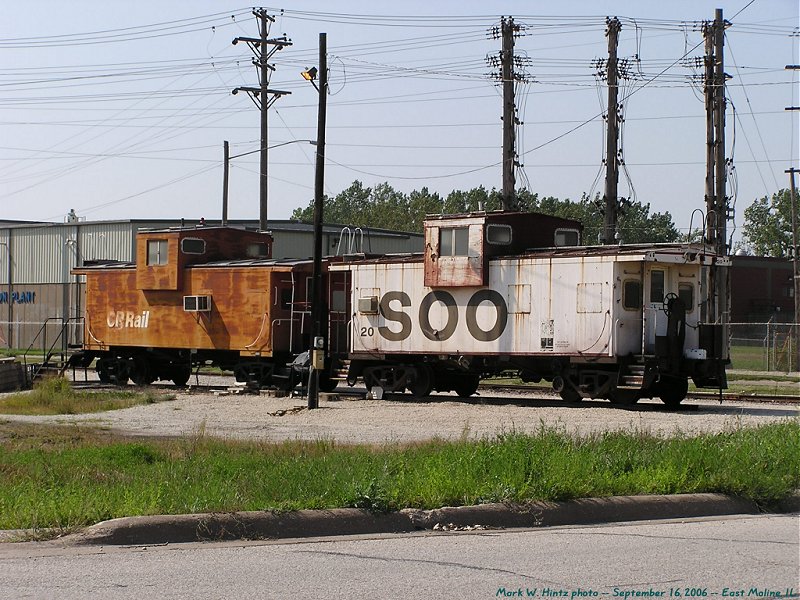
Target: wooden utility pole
x: 720, y: 165
x: 509, y: 114
x: 708, y: 94
x: 225, y: 169
x: 319, y: 343
x: 716, y: 168
x: 795, y: 271
x: 263, y: 48
x: 611, y: 215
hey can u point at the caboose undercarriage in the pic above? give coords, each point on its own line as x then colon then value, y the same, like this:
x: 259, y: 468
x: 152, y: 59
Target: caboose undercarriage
x: 622, y: 382
x: 144, y: 366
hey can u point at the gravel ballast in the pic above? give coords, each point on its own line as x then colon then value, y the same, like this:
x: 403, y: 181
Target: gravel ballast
x: 347, y: 417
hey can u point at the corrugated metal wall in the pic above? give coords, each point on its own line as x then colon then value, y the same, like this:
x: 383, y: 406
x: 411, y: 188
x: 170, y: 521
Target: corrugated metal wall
x: 300, y: 244
x: 41, y: 254
x: 107, y: 241
x: 46, y: 254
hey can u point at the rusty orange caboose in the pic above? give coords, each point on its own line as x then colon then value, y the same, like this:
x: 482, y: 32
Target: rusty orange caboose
x: 196, y: 295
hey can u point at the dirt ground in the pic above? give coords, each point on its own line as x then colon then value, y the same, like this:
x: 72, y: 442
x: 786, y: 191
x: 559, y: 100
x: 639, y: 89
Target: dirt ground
x: 350, y: 418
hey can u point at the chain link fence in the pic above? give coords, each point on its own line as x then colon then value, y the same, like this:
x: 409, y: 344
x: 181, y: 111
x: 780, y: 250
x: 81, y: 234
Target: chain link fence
x: 765, y: 346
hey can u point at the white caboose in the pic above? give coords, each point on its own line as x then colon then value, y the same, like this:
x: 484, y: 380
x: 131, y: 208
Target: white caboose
x: 497, y: 291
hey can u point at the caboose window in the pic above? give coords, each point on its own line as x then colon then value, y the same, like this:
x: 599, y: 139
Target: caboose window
x: 632, y: 294
x: 656, y: 286
x: 498, y: 235
x: 156, y: 252
x: 193, y: 246
x: 686, y: 293
x: 454, y: 241
x: 567, y: 237
x: 257, y: 250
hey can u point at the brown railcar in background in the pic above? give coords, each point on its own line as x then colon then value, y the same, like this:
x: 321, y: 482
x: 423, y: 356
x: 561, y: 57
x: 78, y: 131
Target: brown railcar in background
x: 205, y: 295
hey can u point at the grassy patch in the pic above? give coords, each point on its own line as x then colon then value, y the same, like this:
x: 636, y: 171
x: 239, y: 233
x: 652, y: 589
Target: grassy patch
x: 55, y: 396
x: 749, y: 358
x: 765, y: 388
x: 68, y: 477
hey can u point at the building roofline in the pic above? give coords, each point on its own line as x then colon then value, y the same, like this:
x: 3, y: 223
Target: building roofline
x: 272, y: 225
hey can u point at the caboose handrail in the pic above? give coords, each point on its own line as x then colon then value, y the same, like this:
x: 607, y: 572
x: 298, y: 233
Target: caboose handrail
x: 89, y: 330
x: 260, y: 331
x: 341, y: 235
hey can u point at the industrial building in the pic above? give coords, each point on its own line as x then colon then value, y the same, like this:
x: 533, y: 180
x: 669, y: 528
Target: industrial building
x: 38, y: 293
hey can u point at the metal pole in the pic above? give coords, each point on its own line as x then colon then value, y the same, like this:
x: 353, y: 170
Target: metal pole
x: 226, y: 166
x: 612, y: 139
x: 319, y: 341
x: 10, y: 290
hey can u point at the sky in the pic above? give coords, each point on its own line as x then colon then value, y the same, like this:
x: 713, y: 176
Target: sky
x: 119, y: 110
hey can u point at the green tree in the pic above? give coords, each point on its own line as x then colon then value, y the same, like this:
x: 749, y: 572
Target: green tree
x: 420, y: 204
x: 636, y: 224
x: 384, y: 207
x: 348, y: 207
x: 768, y: 225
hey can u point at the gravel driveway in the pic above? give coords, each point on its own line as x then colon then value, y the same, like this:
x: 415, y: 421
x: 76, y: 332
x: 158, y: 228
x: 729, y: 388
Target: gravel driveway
x: 350, y: 418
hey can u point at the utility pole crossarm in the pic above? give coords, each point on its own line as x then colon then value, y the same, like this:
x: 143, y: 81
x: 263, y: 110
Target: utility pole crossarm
x: 263, y: 48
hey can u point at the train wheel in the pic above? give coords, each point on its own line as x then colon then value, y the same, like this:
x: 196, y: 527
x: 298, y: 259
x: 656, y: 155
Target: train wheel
x: 568, y: 394
x: 102, y: 371
x: 326, y: 384
x: 371, y: 378
x: 422, y: 382
x: 672, y: 390
x: 181, y: 375
x: 118, y: 372
x: 467, y: 385
x: 141, y: 371
x: 624, y: 397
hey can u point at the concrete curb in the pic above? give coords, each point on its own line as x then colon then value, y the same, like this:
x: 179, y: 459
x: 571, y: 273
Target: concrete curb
x: 166, y: 529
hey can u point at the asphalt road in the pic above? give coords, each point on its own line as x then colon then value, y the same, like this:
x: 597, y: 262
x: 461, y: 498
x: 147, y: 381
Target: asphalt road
x: 756, y: 556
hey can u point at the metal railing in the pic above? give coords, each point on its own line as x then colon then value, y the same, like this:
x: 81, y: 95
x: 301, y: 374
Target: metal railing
x: 49, y: 350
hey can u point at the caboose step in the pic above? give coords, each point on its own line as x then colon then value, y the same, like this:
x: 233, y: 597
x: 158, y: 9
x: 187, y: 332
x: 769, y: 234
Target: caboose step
x: 631, y: 377
x: 341, y: 371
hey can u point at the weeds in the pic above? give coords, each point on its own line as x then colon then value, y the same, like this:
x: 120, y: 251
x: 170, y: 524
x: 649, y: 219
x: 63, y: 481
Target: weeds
x: 54, y: 477
x: 56, y: 396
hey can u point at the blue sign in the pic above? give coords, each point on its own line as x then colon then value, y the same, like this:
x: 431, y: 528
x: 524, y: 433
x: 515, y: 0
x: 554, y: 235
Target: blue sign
x: 18, y: 297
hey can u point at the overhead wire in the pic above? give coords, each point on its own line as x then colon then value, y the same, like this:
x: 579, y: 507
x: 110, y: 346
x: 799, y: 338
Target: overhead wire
x: 430, y: 69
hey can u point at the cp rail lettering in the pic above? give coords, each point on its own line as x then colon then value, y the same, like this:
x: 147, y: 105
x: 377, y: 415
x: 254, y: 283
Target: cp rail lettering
x: 476, y: 331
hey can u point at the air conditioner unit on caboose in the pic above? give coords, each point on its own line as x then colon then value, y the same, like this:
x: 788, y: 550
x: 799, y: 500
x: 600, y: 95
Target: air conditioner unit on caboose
x: 197, y: 303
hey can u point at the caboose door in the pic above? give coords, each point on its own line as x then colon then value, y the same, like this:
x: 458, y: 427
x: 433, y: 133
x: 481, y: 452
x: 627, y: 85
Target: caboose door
x: 655, y: 318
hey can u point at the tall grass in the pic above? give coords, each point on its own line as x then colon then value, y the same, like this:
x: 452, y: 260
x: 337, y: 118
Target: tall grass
x: 56, y: 396
x: 73, y: 477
